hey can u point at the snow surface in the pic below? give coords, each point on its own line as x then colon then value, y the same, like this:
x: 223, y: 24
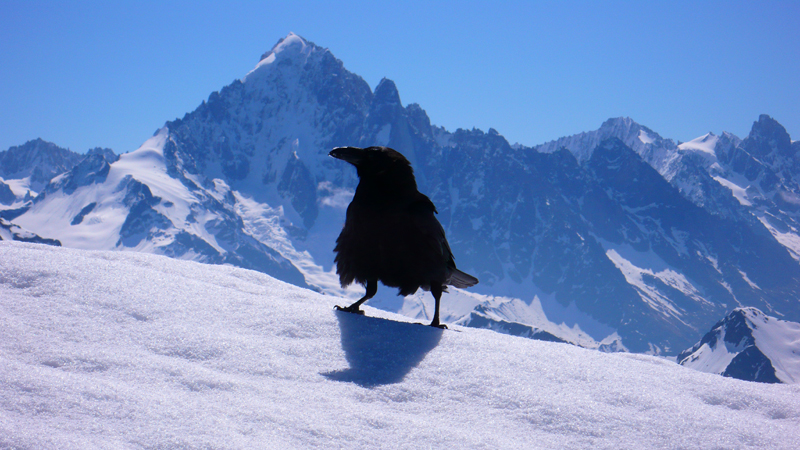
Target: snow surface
x: 740, y: 193
x: 714, y: 359
x: 789, y: 238
x: 778, y: 340
x: 705, y: 144
x: 132, y: 350
x: 645, y: 138
x: 458, y: 306
x: 19, y: 187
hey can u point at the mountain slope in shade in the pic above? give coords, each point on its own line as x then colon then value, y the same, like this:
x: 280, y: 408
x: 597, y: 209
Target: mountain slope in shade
x: 748, y: 345
x: 7, y: 196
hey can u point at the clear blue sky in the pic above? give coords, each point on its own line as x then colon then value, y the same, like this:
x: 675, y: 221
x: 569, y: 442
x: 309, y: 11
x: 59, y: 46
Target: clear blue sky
x: 83, y: 74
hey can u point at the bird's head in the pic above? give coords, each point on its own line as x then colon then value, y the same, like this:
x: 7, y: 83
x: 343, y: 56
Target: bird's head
x: 374, y: 161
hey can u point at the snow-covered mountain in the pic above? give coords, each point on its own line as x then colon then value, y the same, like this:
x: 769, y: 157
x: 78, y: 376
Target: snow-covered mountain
x: 612, y: 239
x: 699, y: 175
x: 654, y: 149
x: 24, y: 171
x: 749, y: 345
x: 34, y: 164
x: 755, y: 179
x: 139, y: 203
x: 128, y: 350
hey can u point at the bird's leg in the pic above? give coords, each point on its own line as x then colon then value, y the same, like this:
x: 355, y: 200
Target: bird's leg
x: 372, y: 288
x: 436, y: 290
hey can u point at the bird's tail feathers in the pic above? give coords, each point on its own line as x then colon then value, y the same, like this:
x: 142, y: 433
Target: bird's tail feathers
x: 461, y: 280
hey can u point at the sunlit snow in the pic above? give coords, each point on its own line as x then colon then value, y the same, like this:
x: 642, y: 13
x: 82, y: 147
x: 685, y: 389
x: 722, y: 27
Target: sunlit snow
x: 740, y: 193
x: 132, y: 350
x: 777, y: 339
x: 19, y: 187
x: 291, y: 40
x: 645, y: 138
x: 704, y: 144
x: 787, y: 237
x: 636, y: 265
x: 716, y: 359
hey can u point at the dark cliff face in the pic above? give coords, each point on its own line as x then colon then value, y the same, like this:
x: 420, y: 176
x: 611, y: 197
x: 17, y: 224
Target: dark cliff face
x: 768, y: 140
x: 299, y: 187
x: 7, y: 196
x: 769, y: 160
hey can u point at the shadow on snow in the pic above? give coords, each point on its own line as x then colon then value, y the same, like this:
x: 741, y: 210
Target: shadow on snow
x: 381, y: 351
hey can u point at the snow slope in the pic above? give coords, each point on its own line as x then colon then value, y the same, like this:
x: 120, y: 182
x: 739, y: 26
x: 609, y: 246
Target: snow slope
x: 132, y: 350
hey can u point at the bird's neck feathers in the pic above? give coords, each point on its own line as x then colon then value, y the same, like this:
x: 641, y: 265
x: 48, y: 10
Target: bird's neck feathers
x: 386, y: 186
x: 397, y: 175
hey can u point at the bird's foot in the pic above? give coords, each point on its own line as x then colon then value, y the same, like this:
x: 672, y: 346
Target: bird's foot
x: 436, y: 324
x: 350, y: 309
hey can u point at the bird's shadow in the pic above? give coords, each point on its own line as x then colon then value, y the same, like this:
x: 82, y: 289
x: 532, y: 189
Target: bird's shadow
x: 381, y: 351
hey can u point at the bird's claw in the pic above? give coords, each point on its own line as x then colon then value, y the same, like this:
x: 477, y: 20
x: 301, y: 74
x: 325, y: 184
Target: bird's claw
x: 441, y: 326
x: 349, y: 309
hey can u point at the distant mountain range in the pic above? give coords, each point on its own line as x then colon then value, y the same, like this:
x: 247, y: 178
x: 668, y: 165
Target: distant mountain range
x: 614, y: 239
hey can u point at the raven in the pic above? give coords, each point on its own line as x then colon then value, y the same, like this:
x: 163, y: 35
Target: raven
x: 390, y: 233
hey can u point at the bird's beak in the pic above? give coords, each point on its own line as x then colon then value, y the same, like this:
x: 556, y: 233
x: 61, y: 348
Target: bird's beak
x: 353, y: 155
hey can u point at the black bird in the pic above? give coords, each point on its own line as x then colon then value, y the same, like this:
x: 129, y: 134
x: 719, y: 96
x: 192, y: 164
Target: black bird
x: 390, y: 233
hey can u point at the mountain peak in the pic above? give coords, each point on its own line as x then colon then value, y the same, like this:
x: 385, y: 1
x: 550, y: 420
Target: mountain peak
x: 767, y: 136
x: 38, y: 145
x: 618, y: 122
x: 290, y: 50
x: 638, y: 137
x: 38, y: 159
x: 291, y: 44
x: 386, y: 92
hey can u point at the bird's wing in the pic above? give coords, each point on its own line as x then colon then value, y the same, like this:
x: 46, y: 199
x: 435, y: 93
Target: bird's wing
x: 423, y: 211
